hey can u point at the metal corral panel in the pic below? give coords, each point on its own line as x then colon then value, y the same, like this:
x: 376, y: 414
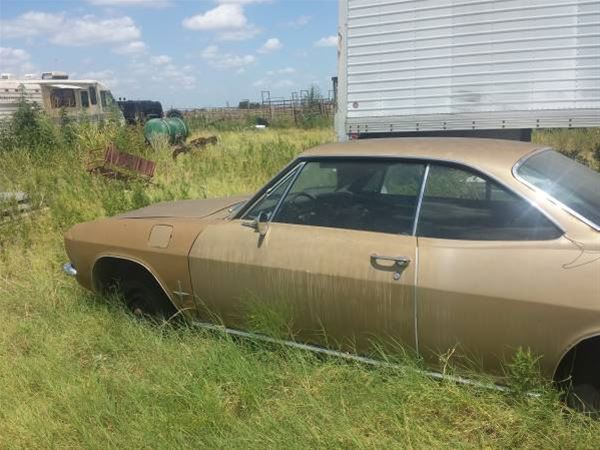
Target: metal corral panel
x: 416, y: 65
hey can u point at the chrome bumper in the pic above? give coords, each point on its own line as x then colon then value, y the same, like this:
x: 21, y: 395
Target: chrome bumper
x: 69, y: 269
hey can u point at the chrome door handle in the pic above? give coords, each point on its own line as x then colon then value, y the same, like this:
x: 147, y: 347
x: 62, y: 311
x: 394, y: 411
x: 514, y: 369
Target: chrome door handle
x: 399, y: 261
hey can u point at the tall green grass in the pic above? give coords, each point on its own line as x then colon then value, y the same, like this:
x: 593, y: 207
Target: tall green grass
x: 581, y: 144
x: 77, y: 371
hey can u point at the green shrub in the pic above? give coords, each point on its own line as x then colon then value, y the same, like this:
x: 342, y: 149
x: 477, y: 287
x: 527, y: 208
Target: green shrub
x: 523, y: 372
x: 30, y: 129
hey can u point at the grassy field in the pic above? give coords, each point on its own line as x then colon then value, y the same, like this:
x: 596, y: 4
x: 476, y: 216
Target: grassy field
x: 77, y: 371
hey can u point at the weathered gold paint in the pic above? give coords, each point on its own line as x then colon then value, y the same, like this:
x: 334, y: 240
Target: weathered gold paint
x: 160, y: 236
x: 484, y: 298
x: 324, y: 274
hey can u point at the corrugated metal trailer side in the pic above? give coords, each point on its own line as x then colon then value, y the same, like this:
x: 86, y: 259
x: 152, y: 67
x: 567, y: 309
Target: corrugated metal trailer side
x: 434, y: 65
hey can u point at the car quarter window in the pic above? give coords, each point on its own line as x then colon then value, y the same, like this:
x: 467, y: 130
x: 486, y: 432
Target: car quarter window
x: 462, y: 204
x: 270, y: 199
x: 369, y: 195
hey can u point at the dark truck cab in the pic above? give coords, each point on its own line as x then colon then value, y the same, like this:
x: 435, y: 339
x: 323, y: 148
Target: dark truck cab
x: 139, y: 111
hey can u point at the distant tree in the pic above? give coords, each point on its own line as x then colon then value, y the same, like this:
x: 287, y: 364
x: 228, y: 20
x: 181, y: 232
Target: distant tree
x: 247, y: 104
x: 314, y: 96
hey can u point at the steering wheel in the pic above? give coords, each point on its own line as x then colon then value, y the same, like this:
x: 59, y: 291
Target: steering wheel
x: 296, y: 212
x: 302, y: 194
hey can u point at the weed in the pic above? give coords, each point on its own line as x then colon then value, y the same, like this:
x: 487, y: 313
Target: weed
x: 29, y: 129
x: 523, y: 372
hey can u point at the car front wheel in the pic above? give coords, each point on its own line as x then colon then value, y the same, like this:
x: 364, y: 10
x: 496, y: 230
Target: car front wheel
x: 585, y: 398
x: 143, y: 299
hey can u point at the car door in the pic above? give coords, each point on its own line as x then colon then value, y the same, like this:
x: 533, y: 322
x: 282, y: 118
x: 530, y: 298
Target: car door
x: 337, y: 264
x: 487, y: 262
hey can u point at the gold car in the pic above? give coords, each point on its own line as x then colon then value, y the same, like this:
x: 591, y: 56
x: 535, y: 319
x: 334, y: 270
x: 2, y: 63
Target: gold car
x: 473, y: 246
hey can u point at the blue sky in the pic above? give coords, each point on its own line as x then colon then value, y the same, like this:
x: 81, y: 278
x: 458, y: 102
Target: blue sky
x: 185, y: 53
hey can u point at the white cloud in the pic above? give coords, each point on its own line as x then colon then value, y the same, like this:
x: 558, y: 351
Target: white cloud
x: 150, y: 3
x: 225, y: 16
x: 210, y: 52
x: 226, y: 60
x: 126, y: 82
x: 71, y: 31
x: 329, y: 41
x: 275, y: 79
x: 32, y: 23
x: 242, y: 34
x: 284, y: 71
x: 15, y: 61
x: 106, y: 77
x: 179, y: 77
x: 299, y: 22
x: 160, y: 60
x: 12, y: 56
x: 132, y: 48
x: 274, y: 84
x: 271, y: 45
x: 228, y: 18
x: 88, y: 30
x: 229, y: 61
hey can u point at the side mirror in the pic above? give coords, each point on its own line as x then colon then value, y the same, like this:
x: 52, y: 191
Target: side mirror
x: 262, y: 224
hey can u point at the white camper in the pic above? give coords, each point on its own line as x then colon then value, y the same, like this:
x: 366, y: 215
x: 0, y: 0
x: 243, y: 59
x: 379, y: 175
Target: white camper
x: 408, y: 66
x: 55, y: 92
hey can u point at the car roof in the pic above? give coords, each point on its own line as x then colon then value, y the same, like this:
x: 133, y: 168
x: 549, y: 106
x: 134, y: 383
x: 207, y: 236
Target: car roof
x: 493, y: 155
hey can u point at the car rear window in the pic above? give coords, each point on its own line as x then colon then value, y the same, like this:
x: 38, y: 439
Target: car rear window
x: 574, y: 185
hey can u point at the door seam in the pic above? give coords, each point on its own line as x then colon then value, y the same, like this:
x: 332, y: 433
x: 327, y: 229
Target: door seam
x: 415, y: 298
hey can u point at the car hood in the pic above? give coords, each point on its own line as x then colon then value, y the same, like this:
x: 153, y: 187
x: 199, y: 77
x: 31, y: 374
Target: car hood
x: 185, y: 208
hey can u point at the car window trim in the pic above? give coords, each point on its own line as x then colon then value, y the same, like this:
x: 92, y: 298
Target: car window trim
x: 294, y: 176
x: 308, y: 159
x: 546, y: 195
x: 294, y: 165
x: 290, y: 171
x: 479, y: 172
x: 420, y: 199
x: 451, y: 162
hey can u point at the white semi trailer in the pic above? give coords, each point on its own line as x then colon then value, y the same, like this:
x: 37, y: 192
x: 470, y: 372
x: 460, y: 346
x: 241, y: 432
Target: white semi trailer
x: 460, y: 67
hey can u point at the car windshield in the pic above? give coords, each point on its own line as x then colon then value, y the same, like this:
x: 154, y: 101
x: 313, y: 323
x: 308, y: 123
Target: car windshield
x: 572, y: 184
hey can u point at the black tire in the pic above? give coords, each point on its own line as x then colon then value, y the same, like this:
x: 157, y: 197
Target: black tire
x: 585, y: 398
x: 144, y: 299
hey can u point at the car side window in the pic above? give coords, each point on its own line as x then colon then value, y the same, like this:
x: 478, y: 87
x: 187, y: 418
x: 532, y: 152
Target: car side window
x: 366, y: 195
x: 462, y: 204
x: 270, y: 199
